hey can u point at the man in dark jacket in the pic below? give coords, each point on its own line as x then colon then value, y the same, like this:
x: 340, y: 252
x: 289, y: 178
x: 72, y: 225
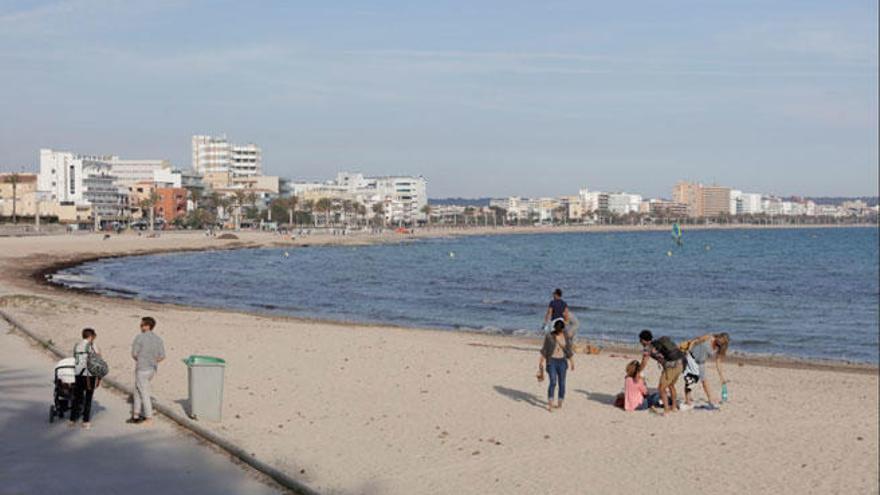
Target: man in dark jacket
x: 669, y: 357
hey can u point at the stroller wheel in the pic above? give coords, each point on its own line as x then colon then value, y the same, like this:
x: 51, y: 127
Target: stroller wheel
x: 52, y: 414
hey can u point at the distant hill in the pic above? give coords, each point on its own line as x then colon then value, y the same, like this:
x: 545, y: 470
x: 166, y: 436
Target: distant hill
x: 459, y: 201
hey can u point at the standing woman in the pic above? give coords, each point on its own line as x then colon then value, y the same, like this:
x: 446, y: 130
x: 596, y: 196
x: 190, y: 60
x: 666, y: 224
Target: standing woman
x: 85, y: 384
x: 701, y: 349
x: 556, y: 355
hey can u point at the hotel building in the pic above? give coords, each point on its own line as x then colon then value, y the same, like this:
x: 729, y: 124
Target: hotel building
x: 215, y: 154
x: 81, y: 180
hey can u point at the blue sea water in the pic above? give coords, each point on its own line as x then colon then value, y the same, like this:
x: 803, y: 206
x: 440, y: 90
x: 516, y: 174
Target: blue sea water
x: 800, y: 292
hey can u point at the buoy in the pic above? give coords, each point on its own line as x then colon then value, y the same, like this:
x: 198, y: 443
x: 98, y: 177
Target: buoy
x: 668, y: 253
x: 451, y: 254
x: 708, y: 247
x: 286, y: 254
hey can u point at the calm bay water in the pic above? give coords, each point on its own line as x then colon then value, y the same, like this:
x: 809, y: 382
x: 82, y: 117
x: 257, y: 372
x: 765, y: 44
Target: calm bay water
x: 805, y: 292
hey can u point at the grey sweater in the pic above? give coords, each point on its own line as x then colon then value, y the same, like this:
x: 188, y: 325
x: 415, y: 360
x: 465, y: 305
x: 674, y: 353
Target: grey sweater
x: 550, y: 345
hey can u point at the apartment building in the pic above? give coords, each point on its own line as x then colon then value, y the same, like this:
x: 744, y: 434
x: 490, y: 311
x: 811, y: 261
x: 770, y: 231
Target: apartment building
x: 129, y: 172
x: 210, y: 154
x: 83, y: 180
x: 668, y: 209
x: 691, y: 195
x: 20, y: 196
x: 217, y: 154
x: 704, y: 201
x: 172, y: 202
x: 622, y: 203
x: 246, y: 160
x: 516, y: 207
x: 402, y: 197
x: 715, y: 201
x: 750, y: 204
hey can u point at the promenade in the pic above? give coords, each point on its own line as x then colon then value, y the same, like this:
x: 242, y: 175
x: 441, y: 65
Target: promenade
x: 112, y: 457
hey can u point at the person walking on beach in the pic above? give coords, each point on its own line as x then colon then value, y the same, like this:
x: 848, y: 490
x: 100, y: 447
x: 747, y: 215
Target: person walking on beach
x: 557, y: 357
x: 148, y: 351
x: 85, y: 384
x: 669, y: 357
x: 557, y: 309
x: 701, y: 349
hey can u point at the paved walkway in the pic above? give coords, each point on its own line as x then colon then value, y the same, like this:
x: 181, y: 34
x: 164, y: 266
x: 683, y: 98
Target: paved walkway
x: 112, y: 457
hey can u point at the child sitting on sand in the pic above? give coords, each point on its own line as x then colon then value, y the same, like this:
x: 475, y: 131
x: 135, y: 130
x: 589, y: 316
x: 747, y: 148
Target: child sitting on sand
x: 635, y: 395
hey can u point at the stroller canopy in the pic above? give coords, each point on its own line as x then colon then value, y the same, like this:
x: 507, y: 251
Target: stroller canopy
x: 65, y: 370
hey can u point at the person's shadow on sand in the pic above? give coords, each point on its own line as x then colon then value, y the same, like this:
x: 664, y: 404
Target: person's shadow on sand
x: 598, y: 397
x: 520, y: 396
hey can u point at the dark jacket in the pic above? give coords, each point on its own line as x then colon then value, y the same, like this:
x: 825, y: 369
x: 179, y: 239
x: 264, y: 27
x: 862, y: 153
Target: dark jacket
x: 550, y: 345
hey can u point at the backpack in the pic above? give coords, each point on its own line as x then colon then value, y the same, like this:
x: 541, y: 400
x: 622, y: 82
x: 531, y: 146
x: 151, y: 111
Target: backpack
x: 96, y: 365
x: 667, y: 348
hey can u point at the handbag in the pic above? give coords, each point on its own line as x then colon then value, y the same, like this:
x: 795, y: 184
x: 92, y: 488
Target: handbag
x: 95, y: 364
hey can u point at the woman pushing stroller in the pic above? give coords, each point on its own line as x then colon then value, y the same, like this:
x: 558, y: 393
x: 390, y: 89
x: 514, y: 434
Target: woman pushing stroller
x: 86, y: 383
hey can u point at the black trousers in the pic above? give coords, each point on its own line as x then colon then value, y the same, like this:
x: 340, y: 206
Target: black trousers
x: 83, y: 390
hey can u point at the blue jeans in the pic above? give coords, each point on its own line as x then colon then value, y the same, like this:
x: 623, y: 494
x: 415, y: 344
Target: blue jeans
x: 651, y: 400
x: 556, y: 368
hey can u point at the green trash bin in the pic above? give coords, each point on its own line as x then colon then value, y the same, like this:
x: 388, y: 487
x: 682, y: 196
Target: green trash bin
x: 205, y: 375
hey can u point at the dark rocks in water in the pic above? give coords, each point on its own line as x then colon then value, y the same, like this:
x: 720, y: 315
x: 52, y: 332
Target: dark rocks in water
x: 228, y: 236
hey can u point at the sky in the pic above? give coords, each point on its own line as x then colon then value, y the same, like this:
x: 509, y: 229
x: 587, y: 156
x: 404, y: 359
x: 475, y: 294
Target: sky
x: 483, y: 98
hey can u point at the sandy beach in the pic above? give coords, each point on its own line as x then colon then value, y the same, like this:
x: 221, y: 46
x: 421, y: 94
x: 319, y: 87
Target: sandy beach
x: 354, y: 409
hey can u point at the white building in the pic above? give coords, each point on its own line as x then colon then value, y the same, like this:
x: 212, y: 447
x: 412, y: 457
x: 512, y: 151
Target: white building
x: 210, y: 154
x: 591, y: 200
x: 772, y: 206
x: 516, y: 207
x: 130, y: 172
x: 217, y: 154
x: 82, y: 180
x: 624, y: 203
x: 246, y: 160
x: 750, y: 204
x: 402, y: 197
x: 167, y: 177
x: 735, y: 202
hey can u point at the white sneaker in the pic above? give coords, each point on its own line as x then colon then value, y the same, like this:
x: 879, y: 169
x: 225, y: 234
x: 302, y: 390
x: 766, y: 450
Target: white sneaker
x: 685, y: 407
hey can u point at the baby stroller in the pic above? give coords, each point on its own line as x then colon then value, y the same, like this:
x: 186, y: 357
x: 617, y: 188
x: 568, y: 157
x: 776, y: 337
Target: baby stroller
x: 65, y: 377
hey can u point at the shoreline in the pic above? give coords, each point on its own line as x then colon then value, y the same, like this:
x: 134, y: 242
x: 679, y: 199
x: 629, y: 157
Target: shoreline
x: 43, y: 277
x: 354, y: 408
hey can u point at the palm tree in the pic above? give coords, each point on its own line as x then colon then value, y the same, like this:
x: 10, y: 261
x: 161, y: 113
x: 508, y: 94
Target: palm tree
x: 496, y: 212
x: 224, y: 203
x: 149, y: 203
x: 196, y: 196
x: 379, y: 211
x: 347, y: 206
x: 14, y: 179
x: 291, y: 208
x: 361, y: 212
x: 309, y: 207
x: 468, y: 212
x: 324, y: 205
x: 427, y: 211
x: 239, y: 200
